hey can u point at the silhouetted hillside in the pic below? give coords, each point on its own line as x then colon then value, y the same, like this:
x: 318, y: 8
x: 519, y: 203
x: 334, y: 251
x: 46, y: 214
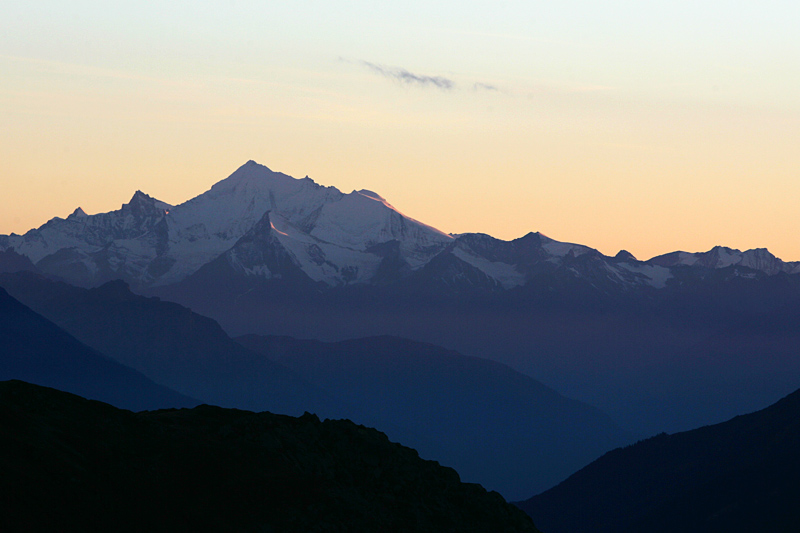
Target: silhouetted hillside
x: 71, y: 464
x: 738, y: 476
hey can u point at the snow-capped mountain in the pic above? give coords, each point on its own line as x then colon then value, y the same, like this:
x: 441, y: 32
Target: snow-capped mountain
x: 325, y: 232
x: 721, y: 257
x: 332, y: 236
x: 477, y: 259
x: 263, y: 225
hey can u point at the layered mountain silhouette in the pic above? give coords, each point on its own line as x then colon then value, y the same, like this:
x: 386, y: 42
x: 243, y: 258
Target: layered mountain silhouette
x: 35, y: 350
x: 718, y: 343
x: 171, y: 345
x: 737, y: 476
x: 494, y: 425
x: 69, y: 464
x: 669, y: 343
x: 11, y: 261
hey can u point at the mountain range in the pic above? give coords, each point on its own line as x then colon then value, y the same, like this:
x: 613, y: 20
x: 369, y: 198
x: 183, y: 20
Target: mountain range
x: 328, y: 235
x: 267, y: 225
x: 494, y: 425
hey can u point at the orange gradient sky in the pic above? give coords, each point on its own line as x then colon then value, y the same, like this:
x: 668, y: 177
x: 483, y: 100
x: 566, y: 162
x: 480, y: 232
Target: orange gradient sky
x: 611, y: 124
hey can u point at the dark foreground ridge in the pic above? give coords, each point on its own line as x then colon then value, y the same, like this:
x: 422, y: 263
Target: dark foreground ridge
x: 67, y: 463
x: 737, y: 476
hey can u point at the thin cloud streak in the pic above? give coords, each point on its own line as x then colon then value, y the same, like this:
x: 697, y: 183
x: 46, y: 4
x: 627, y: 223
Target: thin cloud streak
x: 478, y: 86
x: 404, y: 76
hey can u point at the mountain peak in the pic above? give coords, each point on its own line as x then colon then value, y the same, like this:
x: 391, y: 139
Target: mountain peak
x: 139, y: 197
x: 142, y: 204
x: 252, y: 176
x: 254, y: 165
x: 624, y: 255
x: 761, y: 252
x: 78, y: 213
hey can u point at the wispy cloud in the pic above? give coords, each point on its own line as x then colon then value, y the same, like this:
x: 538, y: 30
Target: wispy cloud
x: 478, y: 86
x: 402, y: 75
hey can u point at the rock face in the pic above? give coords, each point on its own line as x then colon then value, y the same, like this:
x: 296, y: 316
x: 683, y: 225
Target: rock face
x: 72, y: 464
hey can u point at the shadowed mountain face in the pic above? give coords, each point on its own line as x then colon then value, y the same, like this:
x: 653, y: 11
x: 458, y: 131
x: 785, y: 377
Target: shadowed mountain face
x: 493, y: 424
x: 76, y: 465
x: 34, y: 349
x: 737, y: 476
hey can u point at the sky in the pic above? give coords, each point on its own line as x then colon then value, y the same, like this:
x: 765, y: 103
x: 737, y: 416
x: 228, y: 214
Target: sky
x: 637, y: 125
